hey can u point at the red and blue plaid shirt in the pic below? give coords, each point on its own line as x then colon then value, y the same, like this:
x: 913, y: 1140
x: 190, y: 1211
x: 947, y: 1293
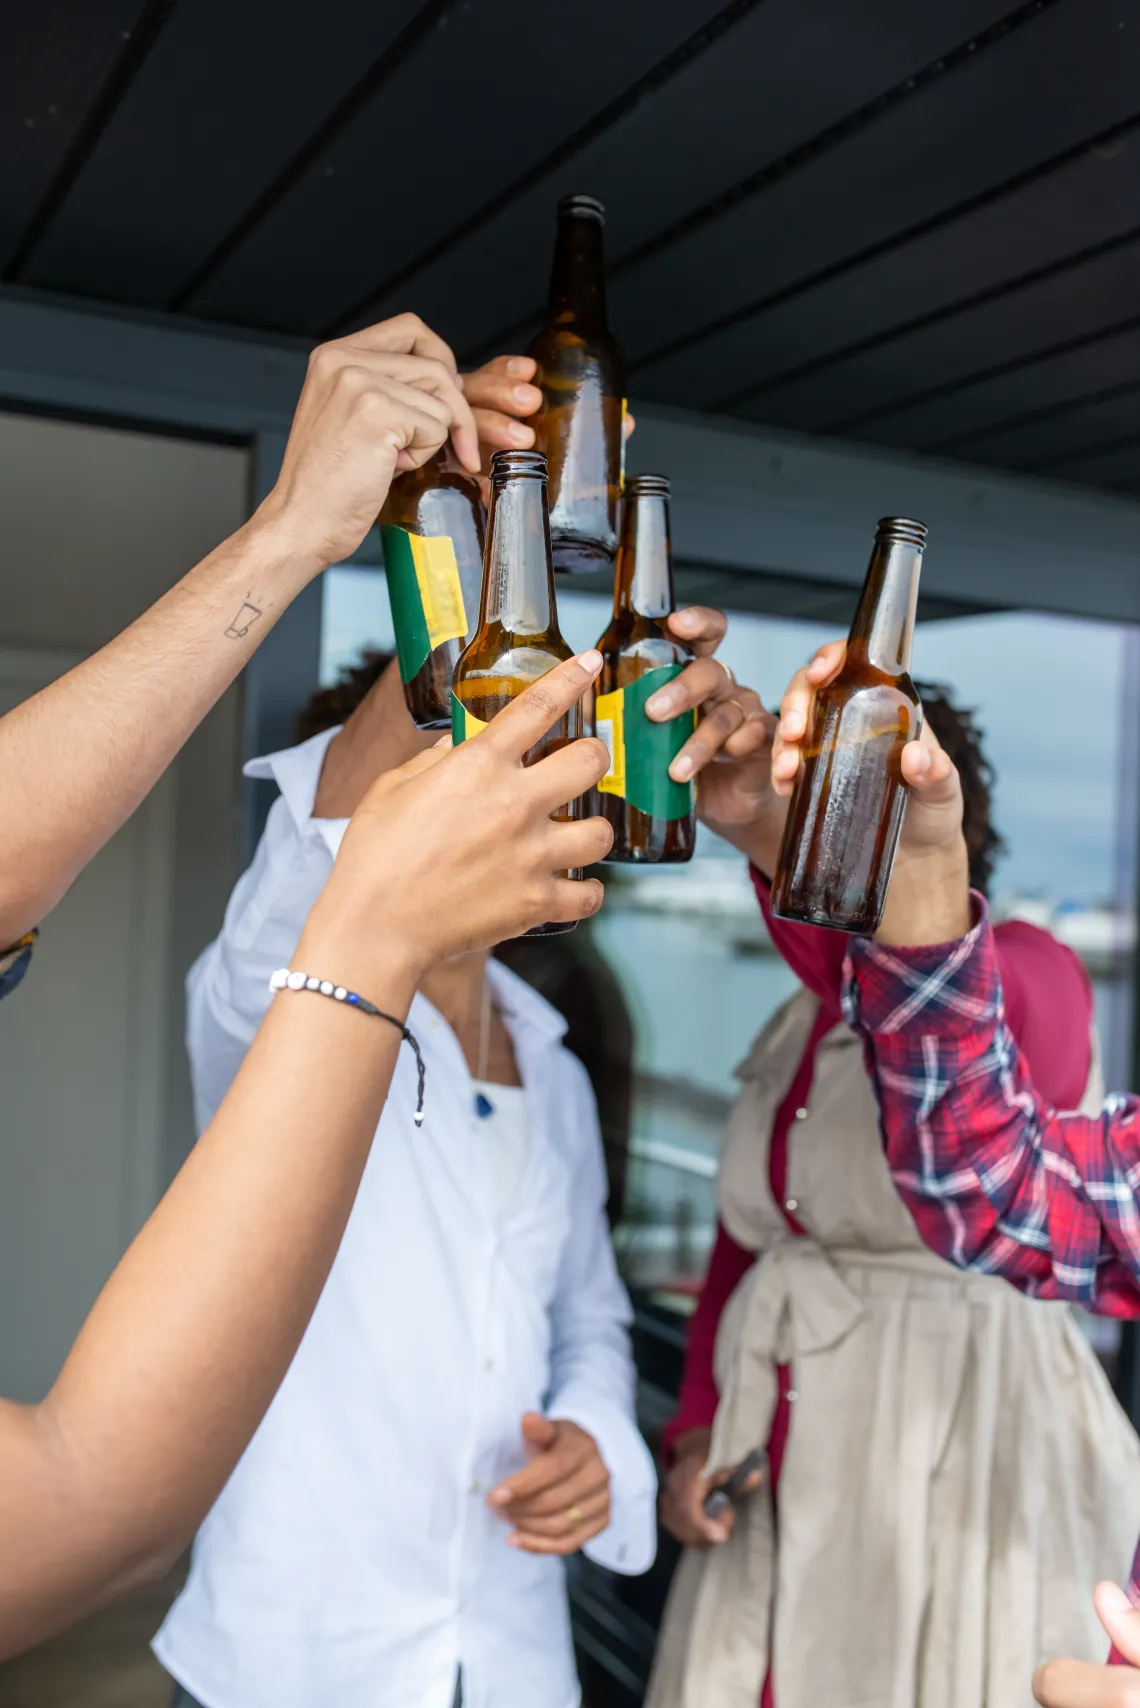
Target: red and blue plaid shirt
x: 995, y: 1179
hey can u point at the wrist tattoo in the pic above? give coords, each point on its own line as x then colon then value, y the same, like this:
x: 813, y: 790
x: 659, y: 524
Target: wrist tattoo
x: 244, y: 621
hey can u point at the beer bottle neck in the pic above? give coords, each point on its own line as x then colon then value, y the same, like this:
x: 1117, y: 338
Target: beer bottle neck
x: 643, y: 586
x: 884, y: 621
x: 578, y: 278
x: 518, y: 580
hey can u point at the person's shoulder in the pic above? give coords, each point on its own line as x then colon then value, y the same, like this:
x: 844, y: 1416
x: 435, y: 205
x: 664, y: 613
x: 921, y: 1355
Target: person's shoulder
x: 1034, y: 965
x: 1035, y: 949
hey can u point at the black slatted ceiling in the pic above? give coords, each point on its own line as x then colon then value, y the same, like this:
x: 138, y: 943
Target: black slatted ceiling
x: 55, y: 58
x: 917, y: 225
x: 412, y: 163
x: 171, y: 176
x: 770, y: 68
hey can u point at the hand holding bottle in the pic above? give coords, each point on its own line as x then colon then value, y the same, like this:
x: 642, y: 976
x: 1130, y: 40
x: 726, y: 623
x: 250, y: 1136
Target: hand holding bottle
x: 934, y: 814
x: 928, y: 898
x: 380, y: 401
x: 457, y: 850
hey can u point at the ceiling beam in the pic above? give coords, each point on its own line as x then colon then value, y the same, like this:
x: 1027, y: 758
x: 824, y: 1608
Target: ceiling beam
x: 747, y: 500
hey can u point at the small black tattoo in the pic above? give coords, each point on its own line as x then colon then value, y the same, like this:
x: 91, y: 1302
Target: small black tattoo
x: 244, y: 621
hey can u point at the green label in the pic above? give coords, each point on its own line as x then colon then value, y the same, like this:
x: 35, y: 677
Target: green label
x: 642, y: 751
x: 425, y: 594
x: 464, y: 724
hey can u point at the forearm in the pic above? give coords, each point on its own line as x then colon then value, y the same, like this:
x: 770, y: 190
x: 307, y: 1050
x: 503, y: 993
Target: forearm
x: 197, y: 1326
x: 78, y: 757
x: 995, y: 1179
x: 929, y: 896
x: 759, y: 841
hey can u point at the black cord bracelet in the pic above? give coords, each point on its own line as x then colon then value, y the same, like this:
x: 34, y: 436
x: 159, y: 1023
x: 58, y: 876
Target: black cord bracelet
x: 285, y: 979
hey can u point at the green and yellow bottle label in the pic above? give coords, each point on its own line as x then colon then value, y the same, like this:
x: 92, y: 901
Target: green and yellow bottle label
x: 464, y: 724
x: 642, y: 751
x: 425, y: 593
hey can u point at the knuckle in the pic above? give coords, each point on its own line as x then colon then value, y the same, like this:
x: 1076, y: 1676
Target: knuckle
x: 324, y: 359
x: 542, y: 700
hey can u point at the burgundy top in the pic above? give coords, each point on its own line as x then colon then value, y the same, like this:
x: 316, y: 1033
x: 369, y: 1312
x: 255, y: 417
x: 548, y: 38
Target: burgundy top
x: 1048, y: 1003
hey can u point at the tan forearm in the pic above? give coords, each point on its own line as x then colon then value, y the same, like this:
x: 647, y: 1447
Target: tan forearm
x: 77, y: 758
x: 197, y: 1326
x: 929, y: 897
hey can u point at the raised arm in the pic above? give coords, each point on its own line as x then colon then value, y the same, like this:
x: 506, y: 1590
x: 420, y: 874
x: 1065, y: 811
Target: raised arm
x: 106, y: 1480
x: 995, y: 1179
x: 78, y: 758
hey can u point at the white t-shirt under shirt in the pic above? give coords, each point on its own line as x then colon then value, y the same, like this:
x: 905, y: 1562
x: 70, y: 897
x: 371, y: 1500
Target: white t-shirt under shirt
x: 506, y: 1133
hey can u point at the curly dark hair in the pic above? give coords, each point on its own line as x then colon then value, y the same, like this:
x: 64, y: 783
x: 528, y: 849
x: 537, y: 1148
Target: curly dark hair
x: 329, y: 707
x: 960, y: 736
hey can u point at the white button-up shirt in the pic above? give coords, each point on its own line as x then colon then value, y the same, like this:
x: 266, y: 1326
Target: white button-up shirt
x: 351, y: 1560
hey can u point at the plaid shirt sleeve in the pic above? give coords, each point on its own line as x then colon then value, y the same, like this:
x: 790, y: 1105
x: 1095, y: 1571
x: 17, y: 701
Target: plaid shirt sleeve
x: 996, y: 1180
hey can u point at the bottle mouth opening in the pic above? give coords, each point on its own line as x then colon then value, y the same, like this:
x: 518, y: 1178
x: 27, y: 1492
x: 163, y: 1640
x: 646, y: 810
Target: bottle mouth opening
x: 903, y: 529
x: 582, y: 207
x: 513, y: 464
x: 647, y: 486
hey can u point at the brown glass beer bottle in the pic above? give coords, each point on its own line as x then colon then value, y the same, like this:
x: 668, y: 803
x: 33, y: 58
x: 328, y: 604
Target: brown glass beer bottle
x: 653, y: 817
x: 846, y: 809
x: 581, y: 369
x: 431, y: 528
x: 517, y: 638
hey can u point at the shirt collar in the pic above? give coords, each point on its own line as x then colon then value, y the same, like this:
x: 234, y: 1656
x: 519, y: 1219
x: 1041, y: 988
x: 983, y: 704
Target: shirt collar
x: 520, y: 1002
x: 296, y: 771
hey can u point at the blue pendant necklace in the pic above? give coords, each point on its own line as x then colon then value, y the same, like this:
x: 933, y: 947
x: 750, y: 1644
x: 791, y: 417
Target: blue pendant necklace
x: 483, y: 1104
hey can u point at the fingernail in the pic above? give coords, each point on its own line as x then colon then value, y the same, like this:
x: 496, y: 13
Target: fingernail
x: 521, y: 395
x: 590, y: 660
x: 791, y: 725
x: 514, y: 1541
x: 519, y: 434
x: 518, y: 367
x: 498, y: 1497
x: 659, y: 705
x: 681, y: 769
x: 922, y: 760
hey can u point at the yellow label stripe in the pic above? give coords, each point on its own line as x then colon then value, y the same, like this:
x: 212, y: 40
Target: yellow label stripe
x: 609, y: 722
x: 441, y: 591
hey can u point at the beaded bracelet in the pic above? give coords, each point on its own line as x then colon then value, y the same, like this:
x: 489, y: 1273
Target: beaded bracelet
x: 285, y: 979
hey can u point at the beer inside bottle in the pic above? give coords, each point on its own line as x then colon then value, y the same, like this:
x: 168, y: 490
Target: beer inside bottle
x: 846, y: 809
x: 581, y: 371
x: 517, y: 639
x: 653, y: 817
x: 431, y: 527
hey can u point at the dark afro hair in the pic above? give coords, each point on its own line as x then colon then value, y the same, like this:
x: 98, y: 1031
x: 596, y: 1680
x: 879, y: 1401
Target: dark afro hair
x: 329, y: 707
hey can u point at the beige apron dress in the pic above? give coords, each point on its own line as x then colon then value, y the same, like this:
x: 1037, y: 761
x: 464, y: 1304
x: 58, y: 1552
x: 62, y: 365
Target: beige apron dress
x: 957, y: 1475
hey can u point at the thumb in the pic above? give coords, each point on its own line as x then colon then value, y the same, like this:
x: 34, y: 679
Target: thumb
x: 537, y: 1430
x: 1120, y: 1619
x: 929, y: 771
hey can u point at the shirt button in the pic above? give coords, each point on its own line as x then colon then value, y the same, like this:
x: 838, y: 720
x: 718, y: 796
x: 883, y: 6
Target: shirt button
x: 801, y: 1114
x: 489, y: 1365
x: 792, y: 1205
x: 792, y: 1395
x: 476, y: 1487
